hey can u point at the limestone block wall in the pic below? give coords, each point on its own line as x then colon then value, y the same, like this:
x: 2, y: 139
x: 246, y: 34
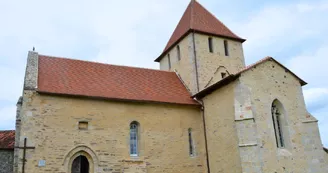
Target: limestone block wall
x: 313, y: 147
x: 164, y: 63
x: 221, y: 130
x: 17, y: 133
x: 248, y: 137
x: 186, y: 66
x: 6, y: 161
x: 208, y: 63
x: 50, y: 123
x: 267, y: 82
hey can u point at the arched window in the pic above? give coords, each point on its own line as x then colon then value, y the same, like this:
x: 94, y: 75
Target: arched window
x: 210, y: 44
x: 169, y: 60
x: 226, y: 48
x: 134, y: 127
x: 191, y: 143
x: 277, y: 117
x: 178, y: 53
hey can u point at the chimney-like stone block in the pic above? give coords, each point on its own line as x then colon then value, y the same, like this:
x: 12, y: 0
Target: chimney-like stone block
x: 31, y: 74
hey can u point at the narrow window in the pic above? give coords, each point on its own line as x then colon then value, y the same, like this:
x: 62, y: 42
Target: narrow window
x: 191, y: 143
x: 223, y: 75
x: 276, y: 117
x: 83, y: 125
x: 226, y: 48
x: 210, y: 44
x: 169, y: 60
x: 134, y: 138
x: 178, y: 53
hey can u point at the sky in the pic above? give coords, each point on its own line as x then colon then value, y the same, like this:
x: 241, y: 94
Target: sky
x: 134, y: 33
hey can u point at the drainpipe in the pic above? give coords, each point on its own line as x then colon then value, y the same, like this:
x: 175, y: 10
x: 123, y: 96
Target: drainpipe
x: 205, y: 135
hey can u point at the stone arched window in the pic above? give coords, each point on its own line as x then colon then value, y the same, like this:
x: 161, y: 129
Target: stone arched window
x: 278, y: 118
x: 191, y: 143
x: 134, y: 138
x: 178, y: 53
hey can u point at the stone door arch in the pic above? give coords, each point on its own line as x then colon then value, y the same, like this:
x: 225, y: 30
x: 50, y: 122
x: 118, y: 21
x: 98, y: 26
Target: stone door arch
x: 82, y: 152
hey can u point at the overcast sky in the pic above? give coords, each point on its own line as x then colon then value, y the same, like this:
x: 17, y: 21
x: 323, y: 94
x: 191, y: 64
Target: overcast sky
x: 134, y: 33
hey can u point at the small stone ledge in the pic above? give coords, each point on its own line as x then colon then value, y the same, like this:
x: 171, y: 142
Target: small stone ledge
x: 248, y: 145
x: 310, y: 121
x: 284, y: 152
x: 244, y: 119
x: 132, y: 161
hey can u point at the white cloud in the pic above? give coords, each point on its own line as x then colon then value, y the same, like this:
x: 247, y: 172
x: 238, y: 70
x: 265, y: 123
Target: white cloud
x: 311, y: 65
x: 311, y: 95
x: 282, y: 28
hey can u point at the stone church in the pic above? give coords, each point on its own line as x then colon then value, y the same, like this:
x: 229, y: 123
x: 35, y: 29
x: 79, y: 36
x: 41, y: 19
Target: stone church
x: 204, y: 111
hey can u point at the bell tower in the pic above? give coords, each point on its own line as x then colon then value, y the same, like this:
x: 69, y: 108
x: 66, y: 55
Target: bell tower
x: 202, y: 50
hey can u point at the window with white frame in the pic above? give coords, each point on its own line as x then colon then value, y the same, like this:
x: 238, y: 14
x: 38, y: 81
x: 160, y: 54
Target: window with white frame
x: 134, y: 127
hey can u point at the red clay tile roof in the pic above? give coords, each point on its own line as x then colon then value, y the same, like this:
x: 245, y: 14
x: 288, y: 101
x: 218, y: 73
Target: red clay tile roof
x: 7, y: 139
x: 232, y: 77
x: 197, y: 18
x: 81, y: 78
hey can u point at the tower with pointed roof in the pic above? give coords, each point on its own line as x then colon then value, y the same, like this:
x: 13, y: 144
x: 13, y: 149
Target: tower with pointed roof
x: 202, y: 50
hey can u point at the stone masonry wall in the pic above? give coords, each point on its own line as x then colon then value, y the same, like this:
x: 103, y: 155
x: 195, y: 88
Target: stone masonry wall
x: 267, y: 82
x: 208, y: 63
x: 6, y: 161
x: 50, y: 123
x: 17, y: 132
x: 313, y: 148
x: 221, y: 131
x: 31, y: 73
x: 246, y: 129
x: 186, y: 66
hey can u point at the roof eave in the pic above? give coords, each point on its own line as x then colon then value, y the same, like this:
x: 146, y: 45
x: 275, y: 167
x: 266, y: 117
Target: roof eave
x: 196, y: 31
x: 325, y: 149
x: 302, y: 82
x: 115, y: 99
x: 173, y: 45
x: 216, y: 86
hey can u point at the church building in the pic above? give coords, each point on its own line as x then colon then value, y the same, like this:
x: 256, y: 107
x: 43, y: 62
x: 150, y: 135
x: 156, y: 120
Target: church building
x: 204, y: 111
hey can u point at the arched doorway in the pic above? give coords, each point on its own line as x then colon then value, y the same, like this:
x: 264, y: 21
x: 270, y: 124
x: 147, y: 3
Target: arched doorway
x: 76, y: 152
x: 80, y: 165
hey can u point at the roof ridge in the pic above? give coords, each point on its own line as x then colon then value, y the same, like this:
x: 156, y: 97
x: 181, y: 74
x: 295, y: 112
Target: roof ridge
x: 254, y: 64
x: 267, y: 58
x: 191, y: 14
x: 95, y: 62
